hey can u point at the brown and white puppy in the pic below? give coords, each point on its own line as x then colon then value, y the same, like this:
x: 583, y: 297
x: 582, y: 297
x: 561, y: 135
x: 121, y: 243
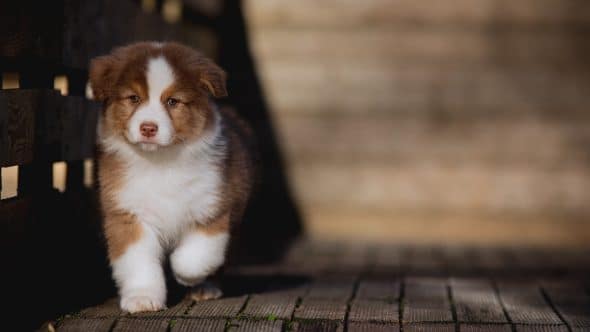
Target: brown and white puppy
x: 175, y: 171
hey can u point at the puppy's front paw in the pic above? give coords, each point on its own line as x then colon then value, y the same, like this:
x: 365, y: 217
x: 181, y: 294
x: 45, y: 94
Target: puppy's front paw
x: 187, y: 280
x: 139, y: 303
x: 205, y: 291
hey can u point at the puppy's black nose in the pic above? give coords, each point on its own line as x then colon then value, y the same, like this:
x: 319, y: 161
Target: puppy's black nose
x: 148, y: 129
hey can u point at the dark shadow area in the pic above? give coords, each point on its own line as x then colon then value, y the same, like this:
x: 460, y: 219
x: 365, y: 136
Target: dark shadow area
x: 272, y: 220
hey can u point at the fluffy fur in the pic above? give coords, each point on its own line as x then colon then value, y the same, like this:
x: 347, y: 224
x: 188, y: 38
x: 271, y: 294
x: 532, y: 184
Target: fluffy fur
x: 178, y: 192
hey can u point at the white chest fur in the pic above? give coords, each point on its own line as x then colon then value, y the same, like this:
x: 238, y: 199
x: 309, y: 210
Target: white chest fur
x: 171, y: 195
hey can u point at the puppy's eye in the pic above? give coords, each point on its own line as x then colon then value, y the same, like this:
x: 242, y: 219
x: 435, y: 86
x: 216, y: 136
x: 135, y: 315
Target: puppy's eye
x: 172, y: 102
x: 134, y: 99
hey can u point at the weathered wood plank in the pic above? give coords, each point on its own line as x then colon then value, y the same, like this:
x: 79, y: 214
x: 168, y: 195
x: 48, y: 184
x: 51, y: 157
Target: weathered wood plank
x: 126, y: 324
x: 425, y: 327
x: 14, y: 213
x: 221, y: 308
x: 373, y: 311
x: 17, y: 126
x: 572, y: 302
x: 426, y: 300
x: 321, y: 309
x: 86, y: 325
x: 525, y: 304
x: 255, y: 326
x: 110, y: 308
x: 197, y: 324
x: 272, y: 305
x: 476, y: 301
x: 79, y: 122
x: 540, y: 328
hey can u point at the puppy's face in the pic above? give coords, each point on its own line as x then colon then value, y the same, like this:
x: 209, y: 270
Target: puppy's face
x: 155, y: 95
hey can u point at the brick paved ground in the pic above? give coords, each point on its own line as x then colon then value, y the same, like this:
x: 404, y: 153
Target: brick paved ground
x: 337, y: 287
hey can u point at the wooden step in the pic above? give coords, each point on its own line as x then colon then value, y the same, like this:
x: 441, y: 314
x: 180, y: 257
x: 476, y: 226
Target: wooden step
x: 321, y: 86
x: 422, y: 44
x: 488, y: 141
x: 436, y: 187
x: 337, y: 222
x: 351, y: 13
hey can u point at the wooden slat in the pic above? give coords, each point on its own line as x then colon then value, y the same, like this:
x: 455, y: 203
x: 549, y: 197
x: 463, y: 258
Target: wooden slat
x: 189, y: 325
x: 374, y: 311
x: 525, y: 304
x: 78, y: 128
x: 321, y: 309
x: 476, y: 301
x: 324, y: 326
x: 14, y: 213
x: 17, y: 126
x: 255, y: 326
x: 272, y: 305
x: 426, y: 300
x: 572, y: 302
x: 86, y: 324
x: 224, y: 307
x: 108, y: 309
x: 541, y: 328
x: 148, y: 325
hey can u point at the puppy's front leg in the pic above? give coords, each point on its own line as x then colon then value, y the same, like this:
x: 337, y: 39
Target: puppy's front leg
x: 136, y: 258
x: 200, y: 253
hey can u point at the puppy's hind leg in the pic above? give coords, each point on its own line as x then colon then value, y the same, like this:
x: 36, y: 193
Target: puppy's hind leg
x: 207, y: 290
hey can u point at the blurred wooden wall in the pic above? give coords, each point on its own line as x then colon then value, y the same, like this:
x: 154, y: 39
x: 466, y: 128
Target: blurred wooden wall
x: 435, y: 121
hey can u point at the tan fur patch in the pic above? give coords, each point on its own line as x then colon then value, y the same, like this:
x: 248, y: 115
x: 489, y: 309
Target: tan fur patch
x: 121, y: 231
x: 217, y: 226
x: 121, y: 228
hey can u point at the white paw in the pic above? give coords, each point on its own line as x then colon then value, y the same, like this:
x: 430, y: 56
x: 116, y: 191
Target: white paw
x: 139, y: 303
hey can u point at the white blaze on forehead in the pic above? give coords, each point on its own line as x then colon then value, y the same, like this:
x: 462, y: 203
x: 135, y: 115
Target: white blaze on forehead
x: 159, y: 77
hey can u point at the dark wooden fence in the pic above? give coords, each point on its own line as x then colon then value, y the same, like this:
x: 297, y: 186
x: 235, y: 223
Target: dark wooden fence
x: 52, y: 251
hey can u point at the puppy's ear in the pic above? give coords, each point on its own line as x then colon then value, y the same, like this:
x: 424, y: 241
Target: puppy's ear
x: 213, y: 79
x: 101, y: 77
